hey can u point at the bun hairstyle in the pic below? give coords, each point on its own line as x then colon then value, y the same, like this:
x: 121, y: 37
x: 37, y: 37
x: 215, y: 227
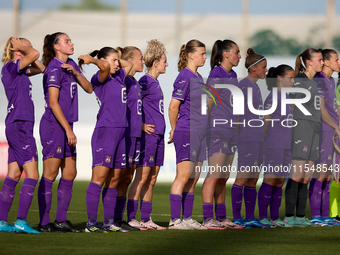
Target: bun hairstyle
x: 102, y: 53
x: 274, y: 72
x: 190, y: 47
x: 154, y: 52
x: 8, y: 54
x: 306, y: 55
x: 48, y: 48
x: 126, y: 52
x: 252, y: 58
x: 217, y: 51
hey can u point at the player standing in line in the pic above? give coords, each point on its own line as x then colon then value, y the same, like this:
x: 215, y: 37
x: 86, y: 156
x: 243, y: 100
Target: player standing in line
x: 249, y: 145
x: 319, y: 184
x: 152, y: 140
x: 20, y: 61
x: 56, y: 129
x: 276, y: 147
x: 221, y: 139
x: 108, y: 139
x: 305, y: 138
x: 188, y: 129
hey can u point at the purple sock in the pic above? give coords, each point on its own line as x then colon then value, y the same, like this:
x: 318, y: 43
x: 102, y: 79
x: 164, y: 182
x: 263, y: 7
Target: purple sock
x: 175, y: 205
x: 208, y: 212
x: 264, y: 197
x: 315, y: 195
x: 187, y: 204
x: 109, y: 196
x: 45, y: 200
x: 220, y: 212
x: 120, y: 208
x: 236, y: 200
x: 275, y: 203
x: 6, y: 197
x: 132, y: 207
x: 64, y: 196
x: 25, y: 198
x: 92, y: 201
x: 325, y: 199
x: 145, y: 210
x: 250, y: 201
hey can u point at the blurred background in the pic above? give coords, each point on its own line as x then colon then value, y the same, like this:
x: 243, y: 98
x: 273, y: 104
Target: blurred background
x: 279, y: 30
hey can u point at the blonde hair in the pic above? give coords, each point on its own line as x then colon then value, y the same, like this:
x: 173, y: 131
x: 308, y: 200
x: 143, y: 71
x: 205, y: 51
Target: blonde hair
x: 154, y: 52
x: 126, y: 52
x: 8, y: 54
x: 190, y: 47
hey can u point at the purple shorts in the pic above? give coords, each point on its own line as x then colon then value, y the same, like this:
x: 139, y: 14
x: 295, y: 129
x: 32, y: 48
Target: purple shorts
x: 277, y: 161
x: 250, y: 155
x: 151, y: 150
x: 22, y: 146
x: 222, y: 143
x: 54, y: 140
x: 189, y: 146
x: 132, y: 150
x: 326, y: 148
x: 108, y: 147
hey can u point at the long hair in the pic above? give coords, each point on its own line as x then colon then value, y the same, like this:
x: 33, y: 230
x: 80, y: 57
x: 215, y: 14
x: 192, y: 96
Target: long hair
x: 8, y: 54
x: 48, y: 48
x: 190, y: 47
x: 306, y: 55
x: 274, y: 72
x: 217, y: 51
x: 102, y: 53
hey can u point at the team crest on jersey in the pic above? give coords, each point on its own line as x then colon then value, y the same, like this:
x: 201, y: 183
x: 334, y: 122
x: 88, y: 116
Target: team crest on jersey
x: 36, y: 152
x: 194, y: 153
x: 59, y: 150
x: 52, y: 78
x: 161, y: 93
x: 305, y: 148
x: 151, y: 159
x: 72, y: 77
x: 256, y: 163
x: 108, y: 159
x: 130, y: 159
x: 138, y: 93
x: 179, y: 92
x: 225, y: 145
x: 329, y: 157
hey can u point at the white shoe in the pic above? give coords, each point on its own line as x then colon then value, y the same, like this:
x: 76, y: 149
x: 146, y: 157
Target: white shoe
x: 229, y: 224
x: 153, y: 226
x: 178, y: 224
x: 135, y: 223
x: 214, y: 225
x: 196, y: 225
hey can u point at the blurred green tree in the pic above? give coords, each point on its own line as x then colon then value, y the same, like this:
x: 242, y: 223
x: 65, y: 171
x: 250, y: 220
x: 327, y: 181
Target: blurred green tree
x: 89, y: 5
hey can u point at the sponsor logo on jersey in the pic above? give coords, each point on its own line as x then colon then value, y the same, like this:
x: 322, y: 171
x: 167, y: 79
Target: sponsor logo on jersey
x: 59, y: 150
x: 151, y: 159
x: 305, y: 148
x: 108, y: 159
x: 179, y: 92
x: 52, y: 78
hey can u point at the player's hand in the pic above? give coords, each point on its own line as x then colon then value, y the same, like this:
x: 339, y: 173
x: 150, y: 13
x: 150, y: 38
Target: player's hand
x: 86, y: 58
x: 16, y: 43
x: 148, y: 128
x: 70, y: 68
x: 71, y: 138
x: 171, y: 135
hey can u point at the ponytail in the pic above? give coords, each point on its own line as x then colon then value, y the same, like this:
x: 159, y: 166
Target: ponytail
x: 48, y: 48
x: 306, y: 55
x: 217, y: 51
x: 182, y: 63
x: 274, y: 72
x: 8, y: 54
x: 81, y: 62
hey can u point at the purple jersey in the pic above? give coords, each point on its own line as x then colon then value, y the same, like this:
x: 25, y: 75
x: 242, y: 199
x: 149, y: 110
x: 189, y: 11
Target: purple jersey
x: 18, y: 90
x: 326, y: 89
x: 278, y: 136
x: 111, y: 97
x: 56, y: 76
x: 134, y: 108
x: 186, y: 89
x: 219, y: 75
x: 249, y: 133
x: 153, y: 103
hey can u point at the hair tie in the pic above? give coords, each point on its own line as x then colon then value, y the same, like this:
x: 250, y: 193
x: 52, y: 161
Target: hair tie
x: 55, y: 40
x: 256, y: 62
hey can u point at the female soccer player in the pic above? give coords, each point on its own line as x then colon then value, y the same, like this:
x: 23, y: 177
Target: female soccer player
x: 108, y: 140
x: 188, y: 134
x: 152, y: 140
x: 56, y: 129
x: 319, y: 184
x: 20, y: 61
x: 221, y: 140
x: 276, y: 146
x: 305, y: 138
x: 249, y: 144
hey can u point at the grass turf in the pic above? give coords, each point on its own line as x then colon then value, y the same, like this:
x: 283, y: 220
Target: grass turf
x: 249, y: 241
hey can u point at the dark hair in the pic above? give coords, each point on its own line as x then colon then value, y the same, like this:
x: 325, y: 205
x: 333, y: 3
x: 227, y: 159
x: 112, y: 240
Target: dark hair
x: 274, y: 72
x: 326, y: 53
x: 306, y: 55
x: 217, y: 51
x: 102, y: 53
x: 48, y: 48
x: 190, y: 47
x: 338, y: 83
x: 252, y: 58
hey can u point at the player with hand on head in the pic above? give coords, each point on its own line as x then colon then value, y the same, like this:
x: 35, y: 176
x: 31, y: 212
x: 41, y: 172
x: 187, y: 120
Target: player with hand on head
x: 20, y: 61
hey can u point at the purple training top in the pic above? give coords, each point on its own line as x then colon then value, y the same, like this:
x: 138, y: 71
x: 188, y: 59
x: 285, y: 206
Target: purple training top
x: 111, y: 97
x: 326, y: 89
x: 278, y: 136
x: 153, y: 104
x: 56, y: 76
x: 18, y: 90
x: 134, y: 108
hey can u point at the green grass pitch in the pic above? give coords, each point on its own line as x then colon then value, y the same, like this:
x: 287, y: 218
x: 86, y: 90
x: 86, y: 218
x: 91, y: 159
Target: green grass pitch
x: 249, y: 241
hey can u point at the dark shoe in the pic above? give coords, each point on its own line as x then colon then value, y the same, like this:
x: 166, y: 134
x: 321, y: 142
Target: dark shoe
x: 67, y: 226
x: 124, y: 225
x: 50, y: 228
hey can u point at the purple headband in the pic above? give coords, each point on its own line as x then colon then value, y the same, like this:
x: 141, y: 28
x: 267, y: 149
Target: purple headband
x: 56, y: 38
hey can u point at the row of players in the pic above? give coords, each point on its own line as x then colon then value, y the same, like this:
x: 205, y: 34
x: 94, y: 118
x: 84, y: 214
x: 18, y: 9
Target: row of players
x: 129, y: 136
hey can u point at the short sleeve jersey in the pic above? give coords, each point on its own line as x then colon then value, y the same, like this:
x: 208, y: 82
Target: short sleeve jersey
x: 66, y: 82
x: 134, y: 108
x: 153, y: 103
x: 111, y: 97
x: 18, y: 89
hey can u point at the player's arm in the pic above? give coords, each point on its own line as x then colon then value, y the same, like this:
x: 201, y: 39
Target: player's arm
x: 327, y: 118
x: 267, y: 119
x: 81, y: 79
x: 126, y: 65
x: 104, y: 67
x: 30, y: 54
x: 36, y: 68
x: 210, y: 106
x: 173, y: 115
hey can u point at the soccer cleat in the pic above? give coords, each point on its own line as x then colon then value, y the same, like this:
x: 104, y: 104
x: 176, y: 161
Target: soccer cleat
x: 95, y: 228
x: 50, y: 228
x: 229, y: 224
x: 179, y: 225
x: 67, y: 226
x: 22, y: 226
x: 213, y: 225
x: 124, y: 225
x: 136, y: 224
x: 293, y: 222
x: 240, y: 222
x: 305, y: 221
x: 255, y: 223
x: 281, y: 223
x: 153, y: 226
x: 114, y: 228
x: 337, y: 218
x: 5, y: 227
x: 319, y: 221
x: 266, y: 222
x: 330, y: 220
x: 196, y: 225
